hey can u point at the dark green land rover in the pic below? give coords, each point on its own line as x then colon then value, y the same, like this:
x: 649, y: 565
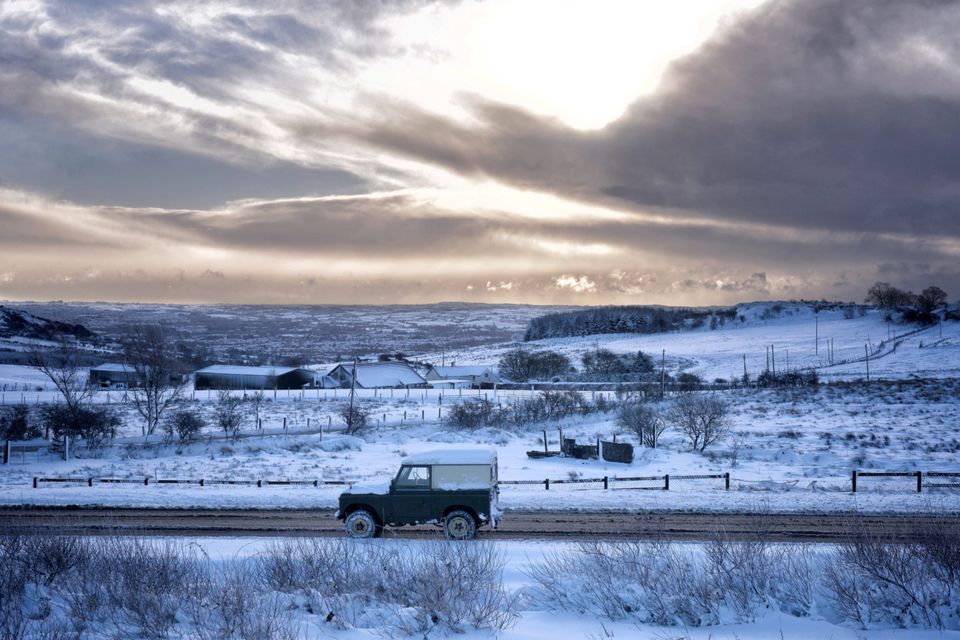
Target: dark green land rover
x: 453, y: 488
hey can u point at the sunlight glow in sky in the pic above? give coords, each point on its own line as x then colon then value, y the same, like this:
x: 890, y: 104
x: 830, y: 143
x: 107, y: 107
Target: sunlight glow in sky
x: 624, y: 151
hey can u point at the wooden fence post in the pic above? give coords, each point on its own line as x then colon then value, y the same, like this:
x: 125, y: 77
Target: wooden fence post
x: 919, y: 481
x: 546, y: 449
x: 6, y: 452
x: 606, y: 482
x: 34, y: 482
x: 726, y: 481
x: 853, y: 481
x: 666, y: 482
x: 546, y: 484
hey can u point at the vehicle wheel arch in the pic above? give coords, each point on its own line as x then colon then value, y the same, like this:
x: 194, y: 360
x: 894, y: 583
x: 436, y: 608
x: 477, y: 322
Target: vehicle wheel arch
x: 460, y: 507
x: 359, y: 506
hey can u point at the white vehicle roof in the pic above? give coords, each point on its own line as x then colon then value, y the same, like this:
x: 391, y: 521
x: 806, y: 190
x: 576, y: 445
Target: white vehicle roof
x: 460, y: 455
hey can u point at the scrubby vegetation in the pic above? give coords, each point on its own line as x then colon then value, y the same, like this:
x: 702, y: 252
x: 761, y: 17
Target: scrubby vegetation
x: 520, y: 365
x: 545, y: 407
x: 85, y: 589
x: 876, y: 580
x: 632, y: 319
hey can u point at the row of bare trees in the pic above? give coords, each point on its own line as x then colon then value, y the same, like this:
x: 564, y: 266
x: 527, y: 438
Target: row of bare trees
x: 702, y: 418
x: 157, y: 378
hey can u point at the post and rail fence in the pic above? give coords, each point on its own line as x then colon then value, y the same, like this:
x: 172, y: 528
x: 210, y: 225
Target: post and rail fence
x: 918, y: 480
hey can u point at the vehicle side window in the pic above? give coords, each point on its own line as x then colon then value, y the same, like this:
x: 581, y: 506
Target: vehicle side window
x: 414, y: 477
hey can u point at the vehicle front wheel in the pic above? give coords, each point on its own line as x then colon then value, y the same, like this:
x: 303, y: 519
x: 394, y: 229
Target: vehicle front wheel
x: 362, y: 524
x: 460, y: 525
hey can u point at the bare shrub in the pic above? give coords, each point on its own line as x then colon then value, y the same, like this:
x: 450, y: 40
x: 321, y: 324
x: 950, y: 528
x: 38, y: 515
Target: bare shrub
x: 184, y: 425
x: 657, y: 583
x: 652, y: 582
x: 441, y: 584
x: 355, y: 417
x: 472, y: 414
x: 53, y: 557
x: 741, y: 571
x: 703, y: 418
x: 644, y: 420
x: 228, y: 413
x: 233, y: 608
x: 146, y: 581
x: 456, y: 585
x: 796, y: 574
x: 904, y: 584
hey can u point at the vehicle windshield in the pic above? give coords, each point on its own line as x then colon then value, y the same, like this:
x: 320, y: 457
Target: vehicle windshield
x: 414, y: 477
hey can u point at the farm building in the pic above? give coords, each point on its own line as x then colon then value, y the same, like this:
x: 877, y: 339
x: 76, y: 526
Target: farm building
x: 476, y: 375
x: 378, y: 375
x: 112, y: 375
x: 222, y: 376
x: 321, y: 375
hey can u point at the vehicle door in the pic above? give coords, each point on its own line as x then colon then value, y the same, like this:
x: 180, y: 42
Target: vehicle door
x: 412, y: 496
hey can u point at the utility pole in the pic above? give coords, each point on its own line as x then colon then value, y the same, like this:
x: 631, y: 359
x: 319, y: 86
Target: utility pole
x: 816, y: 332
x: 353, y: 390
x: 744, y: 367
x: 663, y: 372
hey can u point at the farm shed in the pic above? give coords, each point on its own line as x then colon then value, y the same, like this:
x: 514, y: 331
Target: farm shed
x: 321, y: 375
x: 476, y: 375
x: 221, y: 376
x: 378, y: 375
x: 112, y: 375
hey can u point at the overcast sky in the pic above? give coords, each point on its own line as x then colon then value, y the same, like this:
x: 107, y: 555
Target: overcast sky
x: 689, y: 152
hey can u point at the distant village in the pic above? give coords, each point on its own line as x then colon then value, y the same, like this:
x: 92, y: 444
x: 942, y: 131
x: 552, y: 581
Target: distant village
x: 361, y: 375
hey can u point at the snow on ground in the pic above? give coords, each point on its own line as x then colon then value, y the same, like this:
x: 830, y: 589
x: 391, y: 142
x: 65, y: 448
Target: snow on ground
x: 789, y: 449
x: 799, y: 338
x: 15, y: 377
x: 537, y: 624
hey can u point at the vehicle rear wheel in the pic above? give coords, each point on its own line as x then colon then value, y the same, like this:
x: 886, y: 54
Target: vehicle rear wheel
x: 362, y: 524
x: 460, y: 525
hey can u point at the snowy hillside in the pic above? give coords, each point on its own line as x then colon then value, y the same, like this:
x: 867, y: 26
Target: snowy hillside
x: 799, y: 337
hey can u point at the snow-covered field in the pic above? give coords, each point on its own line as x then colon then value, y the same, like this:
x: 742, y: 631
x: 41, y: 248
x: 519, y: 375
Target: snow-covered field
x: 799, y: 338
x: 790, y: 449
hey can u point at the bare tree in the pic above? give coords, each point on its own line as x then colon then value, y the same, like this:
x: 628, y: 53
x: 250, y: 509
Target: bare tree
x: 229, y: 413
x: 702, y: 418
x: 64, y: 366
x: 931, y: 299
x: 355, y: 417
x: 158, y: 375
x: 646, y: 421
x: 256, y: 399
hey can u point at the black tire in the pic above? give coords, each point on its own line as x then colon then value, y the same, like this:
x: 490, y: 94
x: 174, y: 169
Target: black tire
x: 361, y: 524
x: 460, y: 525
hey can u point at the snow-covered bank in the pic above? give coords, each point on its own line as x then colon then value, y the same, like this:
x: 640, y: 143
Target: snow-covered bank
x: 308, y: 588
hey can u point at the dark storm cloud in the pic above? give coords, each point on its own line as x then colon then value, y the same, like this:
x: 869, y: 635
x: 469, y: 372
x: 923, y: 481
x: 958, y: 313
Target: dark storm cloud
x: 832, y: 114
